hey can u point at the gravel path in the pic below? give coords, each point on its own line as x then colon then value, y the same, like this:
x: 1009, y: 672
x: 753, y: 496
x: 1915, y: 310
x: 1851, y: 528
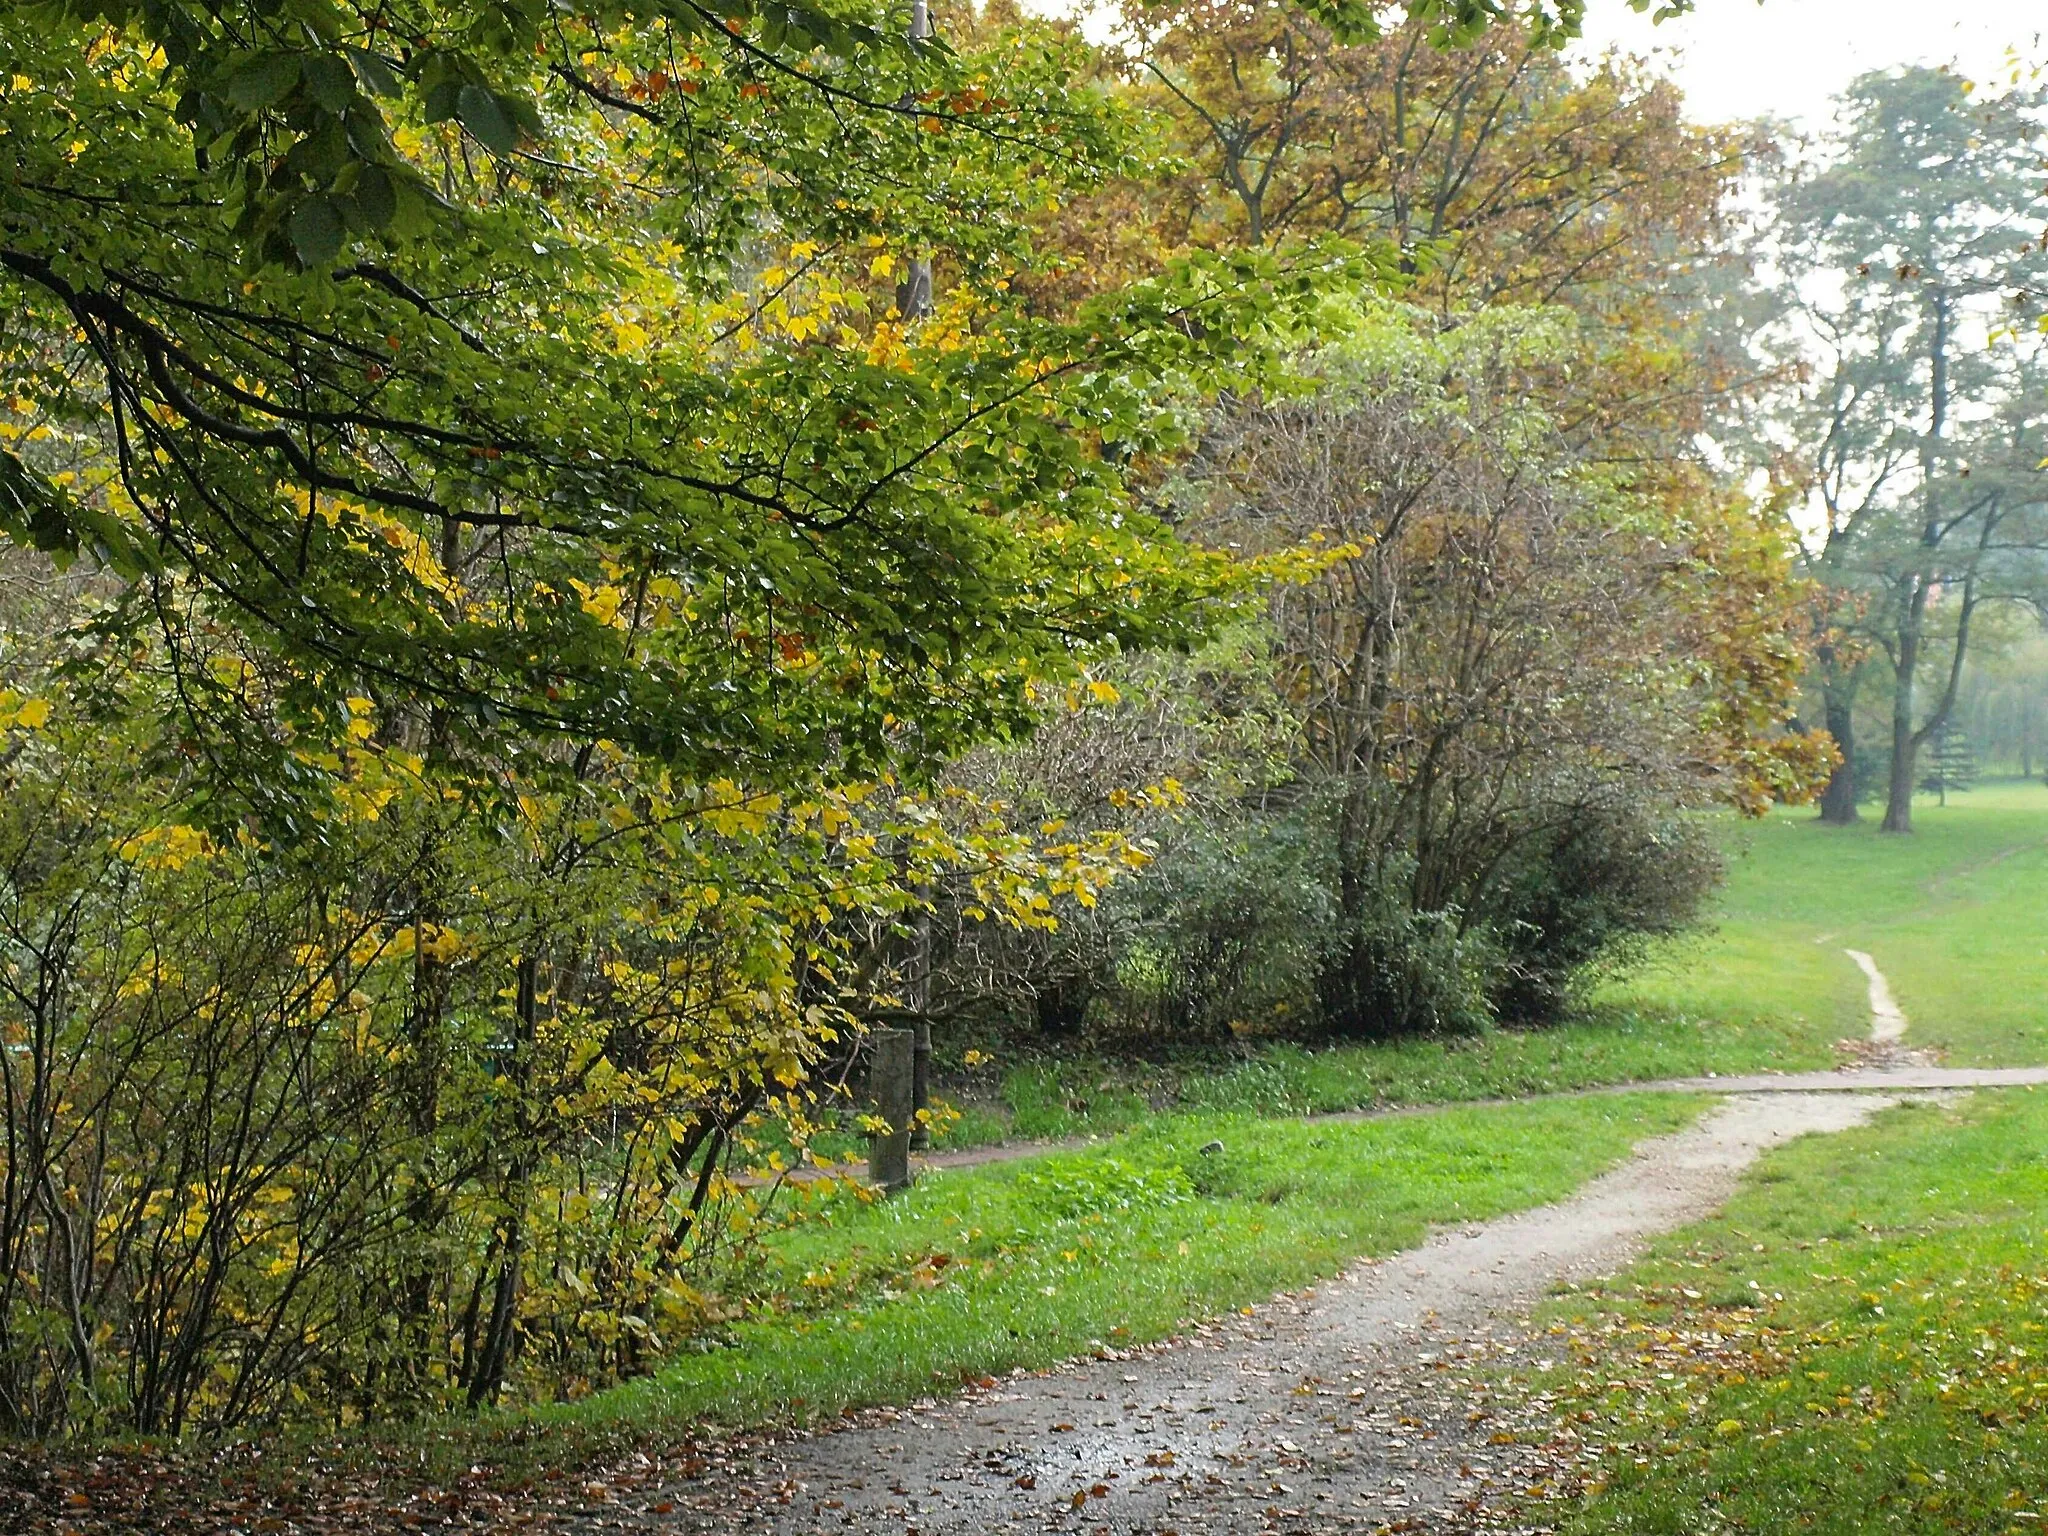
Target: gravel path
x: 1351, y: 1407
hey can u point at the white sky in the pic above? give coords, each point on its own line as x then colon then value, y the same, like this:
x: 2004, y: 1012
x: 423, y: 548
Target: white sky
x: 1741, y: 59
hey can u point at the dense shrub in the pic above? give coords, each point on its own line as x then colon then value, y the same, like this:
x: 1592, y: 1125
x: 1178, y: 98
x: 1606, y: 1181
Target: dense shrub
x: 1229, y: 931
x: 1588, y: 894
x: 1396, y: 969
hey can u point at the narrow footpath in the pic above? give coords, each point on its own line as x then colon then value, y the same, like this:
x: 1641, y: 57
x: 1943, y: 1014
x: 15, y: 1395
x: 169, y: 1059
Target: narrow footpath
x: 1360, y: 1405
x: 1350, y: 1407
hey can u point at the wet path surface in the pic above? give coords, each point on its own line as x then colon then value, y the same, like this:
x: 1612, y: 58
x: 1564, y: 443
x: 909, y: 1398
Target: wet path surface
x: 1353, y: 1407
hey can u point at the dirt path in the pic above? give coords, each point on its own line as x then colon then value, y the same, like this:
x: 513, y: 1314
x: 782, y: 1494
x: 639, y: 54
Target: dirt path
x: 1887, y: 1019
x: 1890, y: 1072
x: 1346, y: 1408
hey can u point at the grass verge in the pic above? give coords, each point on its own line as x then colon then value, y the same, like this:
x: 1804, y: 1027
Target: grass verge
x: 1858, y: 1343
x: 1048, y: 1099
x: 1957, y: 902
x: 1045, y: 1097
x: 1029, y: 1263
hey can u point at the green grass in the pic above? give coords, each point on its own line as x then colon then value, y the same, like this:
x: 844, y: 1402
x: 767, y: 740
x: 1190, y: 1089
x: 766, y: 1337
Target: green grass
x: 1953, y: 915
x: 1858, y: 1343
x: 1045, y: 1099
x: 1031, y: 1262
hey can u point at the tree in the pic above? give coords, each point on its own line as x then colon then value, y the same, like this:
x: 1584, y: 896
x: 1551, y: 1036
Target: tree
x: 2003, y: 703
x: 1488, y: 172
x: 1520, y: 664
x: 478, y: 382
x: 1953, y: 765
x: 1903, y: 262
x: 1496, y: 173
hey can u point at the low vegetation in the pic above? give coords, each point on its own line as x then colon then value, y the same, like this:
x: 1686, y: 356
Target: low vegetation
x: 1857, y: 1343
x: 1028, y: 1263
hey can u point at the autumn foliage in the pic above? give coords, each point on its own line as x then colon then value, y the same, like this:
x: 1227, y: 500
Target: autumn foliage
x: 527, y: 636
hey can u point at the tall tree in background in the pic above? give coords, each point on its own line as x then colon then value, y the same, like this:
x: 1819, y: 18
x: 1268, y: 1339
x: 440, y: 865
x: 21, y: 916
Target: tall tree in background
x: 1908, y: 266
x: 1512, y: 195
x: 1497, y: 172
x: 1493, y: 173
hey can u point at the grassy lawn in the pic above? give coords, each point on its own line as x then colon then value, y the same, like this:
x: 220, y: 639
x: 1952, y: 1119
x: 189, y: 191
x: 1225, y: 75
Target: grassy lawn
x: 1860, y: 1342
x: 1614, y: 1043
x: 1765, y: 987
x: 1953, y: 915
x: 1028, y: 1263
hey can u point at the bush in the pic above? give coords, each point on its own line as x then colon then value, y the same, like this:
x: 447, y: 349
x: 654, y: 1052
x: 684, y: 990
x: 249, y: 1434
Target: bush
x: 1588, y: 895
x: 1228, y: 932
x: 1396, y: 970
x: 1247, y: 925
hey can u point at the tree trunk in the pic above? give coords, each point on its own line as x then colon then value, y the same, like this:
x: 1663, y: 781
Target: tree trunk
x: 1898, y: 805
x: 496, y: 1351
x: 1838, y: 802
x: 1898, y: 810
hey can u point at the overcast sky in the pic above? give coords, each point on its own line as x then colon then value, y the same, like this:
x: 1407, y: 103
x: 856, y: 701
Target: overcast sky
x: 1740, y: 59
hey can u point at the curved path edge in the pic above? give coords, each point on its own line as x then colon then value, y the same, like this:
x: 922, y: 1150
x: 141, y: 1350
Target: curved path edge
x: 1863, y: 1080
x: 1358, y: 1405
x: 1892, y: 1079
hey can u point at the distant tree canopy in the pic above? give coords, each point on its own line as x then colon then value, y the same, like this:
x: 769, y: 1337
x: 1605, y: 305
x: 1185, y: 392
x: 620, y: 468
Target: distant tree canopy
x: 1907, y: 283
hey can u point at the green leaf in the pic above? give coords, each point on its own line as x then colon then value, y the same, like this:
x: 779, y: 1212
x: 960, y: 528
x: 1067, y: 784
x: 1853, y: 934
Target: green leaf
x: 317, y: 230
x: 439, y: 99
x: 330, y: 81
x: 321, y: 17
x: 263, y: 81
x: 485, y: 116
x: 376, y: 200
x: 34, y: 512
x: 319, y: 156
x: 377, y: 76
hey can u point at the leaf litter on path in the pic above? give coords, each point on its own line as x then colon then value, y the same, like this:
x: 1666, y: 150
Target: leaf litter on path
x: 1367, y: 1404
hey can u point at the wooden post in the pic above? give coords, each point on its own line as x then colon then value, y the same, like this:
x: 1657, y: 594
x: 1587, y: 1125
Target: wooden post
x: 890, y: 1067
x: 921, y: 1027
